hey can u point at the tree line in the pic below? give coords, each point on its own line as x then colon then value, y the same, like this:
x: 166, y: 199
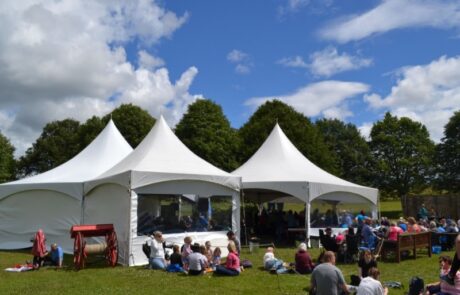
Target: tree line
x: 399, y: 158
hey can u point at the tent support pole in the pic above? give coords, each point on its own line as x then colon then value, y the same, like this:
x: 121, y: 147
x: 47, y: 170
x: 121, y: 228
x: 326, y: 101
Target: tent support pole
x: 244, y: 218
x: 307, y: 222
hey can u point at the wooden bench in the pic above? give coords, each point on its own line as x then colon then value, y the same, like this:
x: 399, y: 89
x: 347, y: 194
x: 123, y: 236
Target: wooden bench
x: 408, y: 242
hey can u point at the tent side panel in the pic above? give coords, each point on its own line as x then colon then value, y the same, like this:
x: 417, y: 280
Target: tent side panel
x: 110, y: 203
x: 22, y: 214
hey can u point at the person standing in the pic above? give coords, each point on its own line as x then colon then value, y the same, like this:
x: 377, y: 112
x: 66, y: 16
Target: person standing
x: 232, y: 237
x: 326, y: 278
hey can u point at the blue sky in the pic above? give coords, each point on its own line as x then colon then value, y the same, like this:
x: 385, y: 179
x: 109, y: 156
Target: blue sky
x: 353, y: 60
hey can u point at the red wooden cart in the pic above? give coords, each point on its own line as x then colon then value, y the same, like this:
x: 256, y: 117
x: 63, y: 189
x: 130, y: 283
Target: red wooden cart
x: 81, y: 249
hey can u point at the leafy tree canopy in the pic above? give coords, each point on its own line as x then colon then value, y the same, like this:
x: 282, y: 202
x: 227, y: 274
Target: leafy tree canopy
x: 7, y: 161
x: 58, y: 143
x: 448, y: 156
x: 353, y: 153
x: 298, y: 128
x: 206, y: 131
x: 403, y: 153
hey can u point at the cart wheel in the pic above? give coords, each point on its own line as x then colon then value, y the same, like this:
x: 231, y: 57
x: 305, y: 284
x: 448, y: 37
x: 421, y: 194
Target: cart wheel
x: 111, y: 253
x: 79, y: 251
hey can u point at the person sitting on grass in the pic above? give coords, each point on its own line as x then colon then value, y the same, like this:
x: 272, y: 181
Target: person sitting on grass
x: 157, y: 252
x: 271, y: 263
x: 216, y: 257
x: 232, y: 265
x: 326, y: 278
x: 56, y: 255
x: 186, y: 249
x: 209, y: 252
x: 442, y: 287
x: 450, y: 277
x: 175, y: 262
x: 303, y: 262
x: 371, y: 285
x: 196, y: 262
x: 365, y: 263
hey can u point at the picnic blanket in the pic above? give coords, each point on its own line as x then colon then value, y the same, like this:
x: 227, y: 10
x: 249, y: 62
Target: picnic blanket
x: 20, y: 268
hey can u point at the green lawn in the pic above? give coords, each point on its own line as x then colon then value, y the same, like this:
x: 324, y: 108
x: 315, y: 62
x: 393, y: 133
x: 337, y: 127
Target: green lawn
x: 96, y: 279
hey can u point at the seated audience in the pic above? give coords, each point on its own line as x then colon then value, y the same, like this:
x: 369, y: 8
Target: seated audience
x: 365, y: 263
x: 442, y: 287
x: 303, y: 262
x: 196, y: 263
x: 326, y: 278
x: 394, y: 232
x: 157, y: 252
x: 175, y: 263
x: 371, y: 285
x: 412, y: 226
x: 216, y: 257
x: 272, y: 263
x: 232, y: 265
x: 56, y: 255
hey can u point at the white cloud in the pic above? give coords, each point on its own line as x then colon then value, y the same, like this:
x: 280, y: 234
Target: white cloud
x: 326, y: 98
x: 66, y: 58
x: 394, y: 14
x: 293, y: 62
x: 327, y: 62
x: 242, y: 60
x: 149, y: 61
x: 236, y: 56
x: 426, y: 93
x: 314, y: 6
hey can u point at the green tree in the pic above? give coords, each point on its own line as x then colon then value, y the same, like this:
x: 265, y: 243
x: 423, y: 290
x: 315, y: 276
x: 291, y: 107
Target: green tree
x: 448, y: 156
x: 298, y: 128
x: 58, y: 143
x: 205, y: 130
x: 403, y: 153
x: 353, y: 153
x: 133, y: 122
x: 7, y: 161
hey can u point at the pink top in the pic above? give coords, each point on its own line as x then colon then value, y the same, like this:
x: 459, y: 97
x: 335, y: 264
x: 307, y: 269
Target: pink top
x: 39, y: 247
x: 233, y: 261
x: 413, y: 228
x: 449, y: 289
x: 394, y: 233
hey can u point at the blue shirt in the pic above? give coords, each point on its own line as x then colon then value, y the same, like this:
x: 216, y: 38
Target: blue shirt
x: 403, y: 226
x: 57, y: 255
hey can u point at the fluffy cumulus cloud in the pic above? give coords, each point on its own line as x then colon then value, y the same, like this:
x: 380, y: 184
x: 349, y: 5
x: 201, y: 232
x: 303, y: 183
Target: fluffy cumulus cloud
x: 325, y: 98
x: 327, y: 62
x: 61, y: 59
x: 394, y: 14
x: 426, y: 93
x: 241, y: 60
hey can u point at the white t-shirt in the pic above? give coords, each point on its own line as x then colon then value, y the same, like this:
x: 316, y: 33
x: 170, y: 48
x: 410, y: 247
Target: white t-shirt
x: 156, y: 249
x: 268, y: 256
x: 370, y: 286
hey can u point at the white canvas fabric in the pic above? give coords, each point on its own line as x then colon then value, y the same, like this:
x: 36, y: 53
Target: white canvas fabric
x: 161, y: 164
x: 52, y: 200
x: 278, y: 166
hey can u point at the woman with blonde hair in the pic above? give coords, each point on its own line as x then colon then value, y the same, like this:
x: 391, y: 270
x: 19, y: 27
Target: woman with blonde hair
x: 412, y: 226
x: 232, y: 265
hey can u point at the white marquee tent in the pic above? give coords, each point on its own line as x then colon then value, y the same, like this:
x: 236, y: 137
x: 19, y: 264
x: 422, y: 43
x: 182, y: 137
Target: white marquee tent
x: 278, y: 170
x: 160, y: 165
x: 52, y: 200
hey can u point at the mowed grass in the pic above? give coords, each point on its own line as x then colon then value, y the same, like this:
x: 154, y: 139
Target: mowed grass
x: 98, y: 279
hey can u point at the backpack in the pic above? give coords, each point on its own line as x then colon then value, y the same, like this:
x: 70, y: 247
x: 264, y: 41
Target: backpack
x: 146, y: 249
x: 416, y: 285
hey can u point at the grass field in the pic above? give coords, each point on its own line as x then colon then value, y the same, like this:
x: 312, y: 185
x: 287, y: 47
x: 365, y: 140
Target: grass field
x: 97, y: 279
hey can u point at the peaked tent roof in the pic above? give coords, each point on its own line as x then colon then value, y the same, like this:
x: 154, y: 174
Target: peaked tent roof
x: 162, y: 153
x: 107, y: 149
x: 278, y: 165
